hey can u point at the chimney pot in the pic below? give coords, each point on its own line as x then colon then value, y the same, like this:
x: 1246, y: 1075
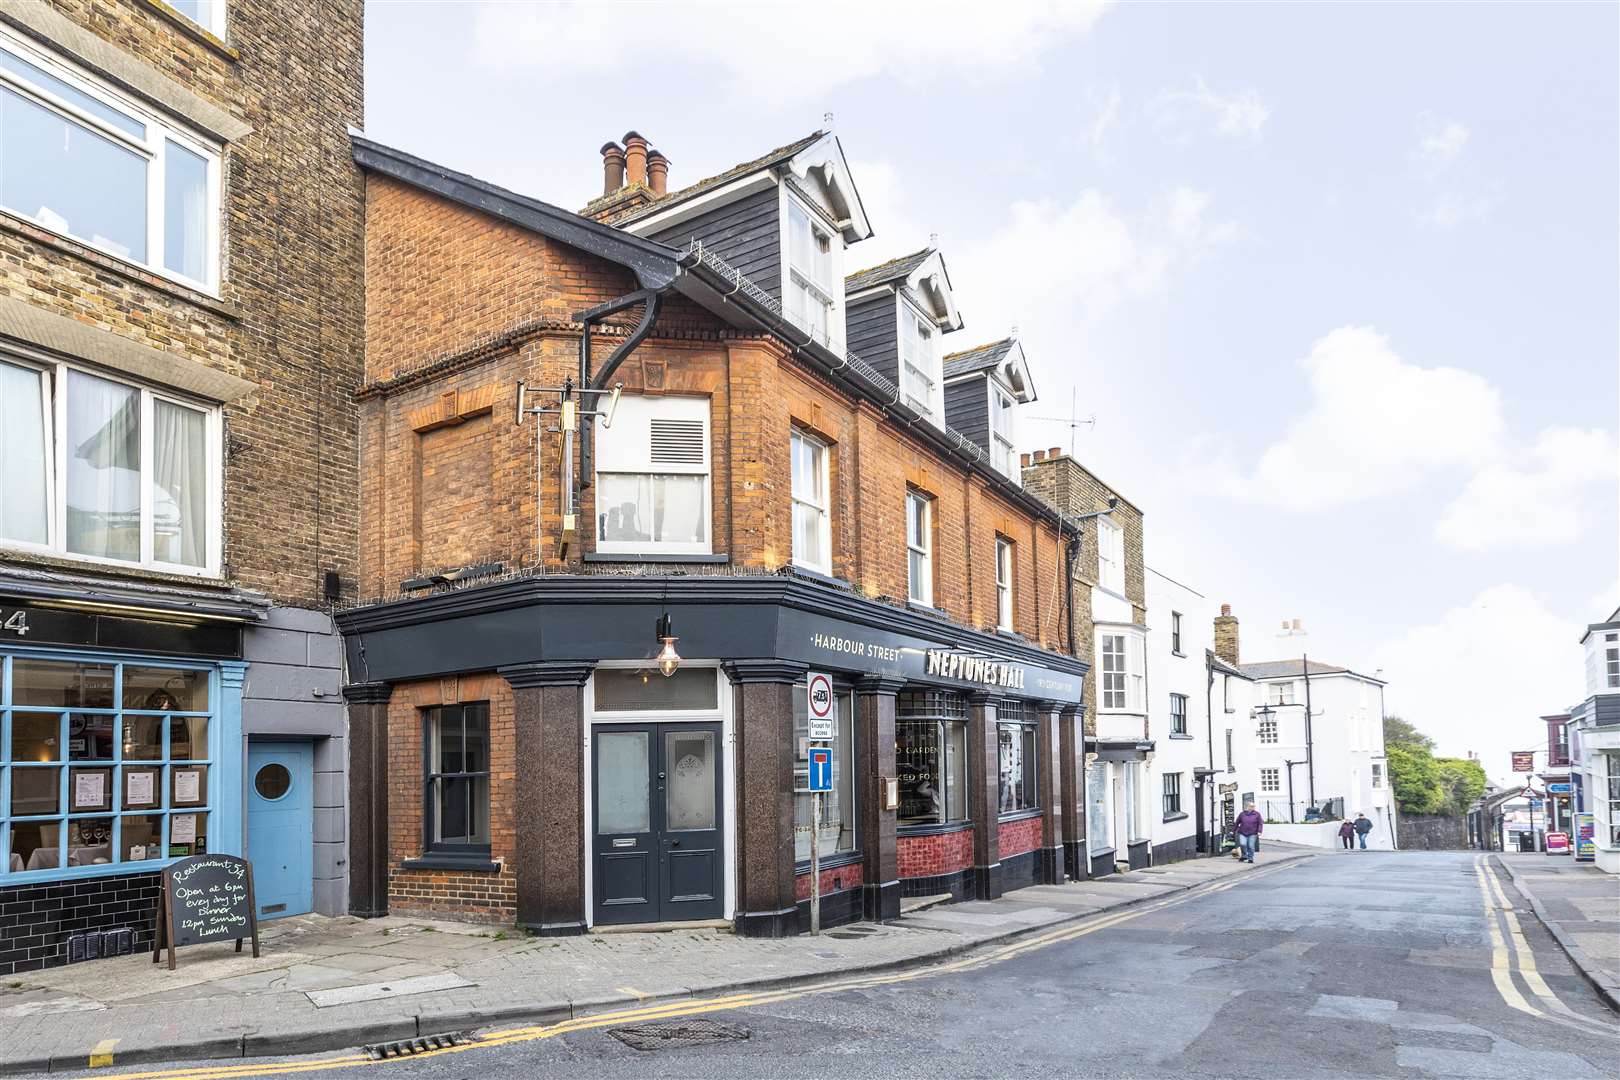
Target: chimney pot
x: 1023, y: 460
x: 612, y: 167
x: 1040, y: 455
x: 1056, y: 451
x: 657, y: 172
x: 1297, y: 625
x: 1226, y: 609
x: 635, y: 159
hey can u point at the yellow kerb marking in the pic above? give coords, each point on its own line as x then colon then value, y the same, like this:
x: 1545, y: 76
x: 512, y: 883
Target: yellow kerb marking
x: 102, y: 1055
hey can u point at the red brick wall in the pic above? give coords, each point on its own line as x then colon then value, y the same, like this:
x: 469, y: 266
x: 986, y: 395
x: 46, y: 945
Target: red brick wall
x: 445, y: 283
x: 487, y: 896
x: 1020, y: 836
x: 941, y: 853
x: 836, y: 879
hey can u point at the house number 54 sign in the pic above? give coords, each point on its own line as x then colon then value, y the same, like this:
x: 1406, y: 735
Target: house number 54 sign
x: 14, y: 623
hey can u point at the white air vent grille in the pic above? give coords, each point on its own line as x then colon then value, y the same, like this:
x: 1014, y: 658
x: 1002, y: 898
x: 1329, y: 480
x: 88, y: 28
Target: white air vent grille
x: 677, y: 442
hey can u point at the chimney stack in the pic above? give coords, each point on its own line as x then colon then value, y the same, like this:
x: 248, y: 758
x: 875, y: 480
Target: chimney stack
x: 635, y: 159
x: 1226, y: 635
x: 657, y: 172
x: 612, y: 168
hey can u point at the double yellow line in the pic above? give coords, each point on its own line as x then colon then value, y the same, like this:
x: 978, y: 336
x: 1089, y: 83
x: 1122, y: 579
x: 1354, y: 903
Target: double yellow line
x: 695, y: 1007
x: 1495, y: 903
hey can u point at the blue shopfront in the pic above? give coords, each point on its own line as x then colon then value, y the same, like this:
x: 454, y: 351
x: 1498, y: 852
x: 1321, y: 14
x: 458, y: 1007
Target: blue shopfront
x: 113, y: 762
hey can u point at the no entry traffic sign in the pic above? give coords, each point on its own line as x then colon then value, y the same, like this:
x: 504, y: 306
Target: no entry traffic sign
x: 821, y: 706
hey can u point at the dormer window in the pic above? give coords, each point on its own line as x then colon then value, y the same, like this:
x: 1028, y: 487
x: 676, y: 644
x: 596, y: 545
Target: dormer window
x: 810, y: 273
x: 919, y: 362
x: 1002, y: 455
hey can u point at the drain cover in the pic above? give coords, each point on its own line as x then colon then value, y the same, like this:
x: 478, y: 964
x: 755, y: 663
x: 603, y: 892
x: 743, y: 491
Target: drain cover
x: 677, y: 1033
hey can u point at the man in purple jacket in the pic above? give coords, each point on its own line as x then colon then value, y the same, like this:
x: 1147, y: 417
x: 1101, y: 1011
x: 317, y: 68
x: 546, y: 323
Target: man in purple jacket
x: 1249, y: 825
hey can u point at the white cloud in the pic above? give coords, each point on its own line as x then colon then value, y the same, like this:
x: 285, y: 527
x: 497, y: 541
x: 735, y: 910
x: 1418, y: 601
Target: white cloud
x: 1448, y: 208
x: 1240, y: 115
x: 1104, y: 119
x: 1093, y: 256
x: 916, y: 41
x: 1542, y: 497
x: 1478, y: 676
x: 1376, y: 424
x: 1440, y: 142
x: 1453, y: 194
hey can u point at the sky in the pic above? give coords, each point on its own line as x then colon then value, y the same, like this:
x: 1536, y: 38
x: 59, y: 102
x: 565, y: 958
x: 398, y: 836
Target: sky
x: 1338, y: 283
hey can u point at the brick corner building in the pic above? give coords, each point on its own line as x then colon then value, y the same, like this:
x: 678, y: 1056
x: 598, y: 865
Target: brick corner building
x: 180, y: 335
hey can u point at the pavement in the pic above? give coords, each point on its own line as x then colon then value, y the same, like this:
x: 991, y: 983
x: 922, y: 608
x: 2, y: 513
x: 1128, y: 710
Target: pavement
x: 1397, y: 965
x: 1580, y: 906
x: 324, y: 984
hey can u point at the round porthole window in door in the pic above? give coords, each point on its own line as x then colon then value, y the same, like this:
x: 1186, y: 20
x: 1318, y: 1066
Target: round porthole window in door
x: 272, y: 781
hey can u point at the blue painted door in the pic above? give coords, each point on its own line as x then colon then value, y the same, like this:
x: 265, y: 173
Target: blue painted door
x: 281, y: 827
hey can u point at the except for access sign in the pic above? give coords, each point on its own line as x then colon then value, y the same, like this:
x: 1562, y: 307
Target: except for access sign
x: 821, y: 706
x: 820, y: 768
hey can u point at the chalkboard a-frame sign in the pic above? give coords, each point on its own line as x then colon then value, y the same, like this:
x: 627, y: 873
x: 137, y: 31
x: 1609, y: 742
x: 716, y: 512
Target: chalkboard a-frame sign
x: 206, y: 898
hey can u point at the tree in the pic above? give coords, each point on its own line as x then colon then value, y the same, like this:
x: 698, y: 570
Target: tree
x: 1461, y: 782
x: 1415, y: 778
x: 1398, y: 732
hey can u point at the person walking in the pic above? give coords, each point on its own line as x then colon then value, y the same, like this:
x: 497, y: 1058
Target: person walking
x: 1347, y: 832
x: 1248, y: 826
x: 1363, y: 826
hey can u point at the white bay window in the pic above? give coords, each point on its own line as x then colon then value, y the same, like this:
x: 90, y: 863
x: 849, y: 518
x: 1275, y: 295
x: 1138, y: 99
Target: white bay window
x: 1002, y: 454
x: 84, y: 161
x: 810, y: 296
x: 1123, y: 664
x: 919, y: 362
x: 103, y: 469
x: 652, y: 477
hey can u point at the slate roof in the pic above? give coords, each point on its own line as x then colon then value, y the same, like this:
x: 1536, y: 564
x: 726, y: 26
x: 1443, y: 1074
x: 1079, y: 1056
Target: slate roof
x: 1280, y: 669
x: 979, y: 358
x: 765, y: 161
x: 893, y: 270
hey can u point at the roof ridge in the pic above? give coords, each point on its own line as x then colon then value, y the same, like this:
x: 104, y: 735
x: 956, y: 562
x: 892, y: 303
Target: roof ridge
x: 923, y: 252
x: 1008, y: 340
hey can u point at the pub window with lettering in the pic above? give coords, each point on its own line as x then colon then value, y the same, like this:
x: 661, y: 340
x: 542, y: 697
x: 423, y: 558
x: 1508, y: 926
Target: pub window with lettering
x: 456, y: 806
x: 103, y: 469
x: 930, y: 745
x: 838, y: 805
x: 103, y: 765
x: 1015, y: 731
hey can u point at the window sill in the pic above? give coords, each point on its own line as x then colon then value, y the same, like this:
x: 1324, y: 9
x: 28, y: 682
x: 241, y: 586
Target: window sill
x: 1173, y: 735
x: 1097, y: 853
x: 933, y: 830
x: 110, y: 567
x: 129, y: 271
x: 192, y: 30
x: 1177, y: 652
x: 469, y: 864
x: 925, y: 609
x: 1177, y: 816
x: 816, y: 575
x: 830, y: 862
x: 1021, y: 815
x: 654, y: 557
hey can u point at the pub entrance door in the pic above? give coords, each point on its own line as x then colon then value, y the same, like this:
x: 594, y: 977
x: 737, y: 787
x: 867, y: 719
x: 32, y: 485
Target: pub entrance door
x: 658, y: 846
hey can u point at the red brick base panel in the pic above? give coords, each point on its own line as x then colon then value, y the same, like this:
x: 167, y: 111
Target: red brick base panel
x: 453, y: 894
x: 834, y: 879
x: 1019, y: 836
x: 935, y: 853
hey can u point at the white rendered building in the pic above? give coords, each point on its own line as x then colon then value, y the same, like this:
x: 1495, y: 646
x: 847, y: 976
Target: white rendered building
x: 1594, y: 740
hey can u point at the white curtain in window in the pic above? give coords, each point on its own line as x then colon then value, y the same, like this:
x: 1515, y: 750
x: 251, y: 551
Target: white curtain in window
x: 22, y: 455
x: 179, y: 485
x: 103, y: 468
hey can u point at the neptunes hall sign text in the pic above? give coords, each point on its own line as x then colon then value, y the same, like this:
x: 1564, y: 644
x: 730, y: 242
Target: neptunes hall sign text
x: 949, y: 665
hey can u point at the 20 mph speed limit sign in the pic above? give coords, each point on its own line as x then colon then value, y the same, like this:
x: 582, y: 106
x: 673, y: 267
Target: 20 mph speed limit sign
x: 822, y: 707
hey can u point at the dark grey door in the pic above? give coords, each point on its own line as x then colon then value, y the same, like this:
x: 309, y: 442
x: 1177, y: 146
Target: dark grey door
x: 657, y: 839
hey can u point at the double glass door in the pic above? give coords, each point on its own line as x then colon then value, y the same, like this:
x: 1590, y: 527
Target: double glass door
x: 657, y: 840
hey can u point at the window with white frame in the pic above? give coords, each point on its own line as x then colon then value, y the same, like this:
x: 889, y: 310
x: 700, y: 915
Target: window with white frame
x: 1611, y: 654
x: 1110, y: 555
x: 100, y: 468
x: 1178, y: 714
x: 208, y: 14
x: 812, y: 533
x: 1270, y: 780
x: 1613, y: 800
x: 919, y: 545
x: 1377, y: 775
x: 1175, y: 632
x: 652, y: 476
x: 1268, y: 727
x: 1004, y: 583
x: 810, y: 297
x: 1230, y: 767
x: 85, y: 161
x: 1002, y: 454
x: 919, y: 360
x: 1172, y: 795
x: 1123, y: 675
x: 1280, y: 693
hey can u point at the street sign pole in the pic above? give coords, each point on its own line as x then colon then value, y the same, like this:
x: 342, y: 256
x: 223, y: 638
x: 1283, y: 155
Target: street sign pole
x: 815, y: 862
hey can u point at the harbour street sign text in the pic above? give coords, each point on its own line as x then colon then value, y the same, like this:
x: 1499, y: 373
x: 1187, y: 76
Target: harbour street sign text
x: 950, y: 665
